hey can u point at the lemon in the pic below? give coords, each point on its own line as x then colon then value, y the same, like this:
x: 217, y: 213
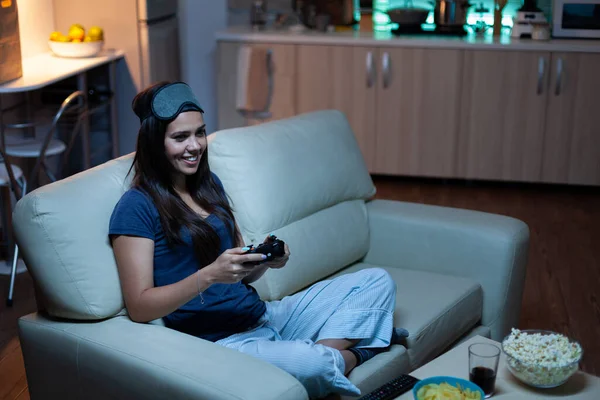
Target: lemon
x: 63, y: 38
x: 76, y: 32
x: 76, y: 41
x: 55, y: 35
x: 96, y: 33
x: 87, y: 38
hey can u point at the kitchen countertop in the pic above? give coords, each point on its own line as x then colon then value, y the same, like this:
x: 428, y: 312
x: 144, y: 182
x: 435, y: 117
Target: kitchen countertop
x: 246, y: 34
x: 45, y: 68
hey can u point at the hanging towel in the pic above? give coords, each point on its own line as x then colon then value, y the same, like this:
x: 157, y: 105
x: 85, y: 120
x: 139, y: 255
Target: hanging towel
x: 252, y: 79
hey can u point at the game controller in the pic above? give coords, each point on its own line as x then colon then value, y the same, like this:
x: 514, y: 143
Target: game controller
x: 272, y: 248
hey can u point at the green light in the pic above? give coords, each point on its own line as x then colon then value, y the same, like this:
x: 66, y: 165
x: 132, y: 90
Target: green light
x: 380, y: 18
x: 382, y: 5
x: 381, y: 21
x: 507, y: 20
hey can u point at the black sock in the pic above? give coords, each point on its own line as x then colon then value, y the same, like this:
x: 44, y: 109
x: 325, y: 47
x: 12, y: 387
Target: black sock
x: 364, y: 354
x: 398, y: 335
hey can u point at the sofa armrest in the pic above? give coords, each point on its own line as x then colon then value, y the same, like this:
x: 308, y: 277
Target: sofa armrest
x: 488, y: 248
x: 120, y: 359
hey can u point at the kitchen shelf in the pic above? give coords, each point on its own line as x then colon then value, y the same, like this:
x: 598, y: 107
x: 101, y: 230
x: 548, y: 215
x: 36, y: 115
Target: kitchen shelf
x: 45, y: 69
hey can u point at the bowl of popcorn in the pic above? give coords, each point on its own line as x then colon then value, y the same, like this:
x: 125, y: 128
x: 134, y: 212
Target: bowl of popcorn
x: 542, y: 359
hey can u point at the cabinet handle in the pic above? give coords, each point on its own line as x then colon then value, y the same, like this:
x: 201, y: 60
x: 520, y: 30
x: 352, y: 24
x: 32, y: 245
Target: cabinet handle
x: 370, y: 70
x: 559, y: 76
x: 385, y: 67
x: 541, y: 73
x: 271, y: 78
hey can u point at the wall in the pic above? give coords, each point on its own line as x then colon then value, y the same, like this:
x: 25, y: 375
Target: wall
x: 36, y: 21
x: 118, y: 18
x: 239, y: 10
x: 199, y: 20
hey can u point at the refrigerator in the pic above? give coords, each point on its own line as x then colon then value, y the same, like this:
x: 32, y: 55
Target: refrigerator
x: 147, y: 31
x: 158, y: 41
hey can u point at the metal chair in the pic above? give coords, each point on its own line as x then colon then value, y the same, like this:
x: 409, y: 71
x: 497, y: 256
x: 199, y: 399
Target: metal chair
x: 4, y: 214
x: 22, y: 183
x: 40, y: 149
x: 49, y: 146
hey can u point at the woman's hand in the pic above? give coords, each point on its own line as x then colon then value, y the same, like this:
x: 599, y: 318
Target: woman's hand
x: 230, y: 266
x: 279, y: 262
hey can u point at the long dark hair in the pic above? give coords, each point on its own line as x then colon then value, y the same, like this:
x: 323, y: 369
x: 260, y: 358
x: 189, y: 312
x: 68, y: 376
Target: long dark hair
x: 154, y: 176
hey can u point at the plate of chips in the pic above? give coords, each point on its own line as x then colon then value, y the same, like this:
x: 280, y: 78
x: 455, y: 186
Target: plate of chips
x: 447, y: 388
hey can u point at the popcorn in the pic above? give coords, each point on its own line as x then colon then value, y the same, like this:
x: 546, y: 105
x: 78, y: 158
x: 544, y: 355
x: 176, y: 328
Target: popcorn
x: 541, y: 359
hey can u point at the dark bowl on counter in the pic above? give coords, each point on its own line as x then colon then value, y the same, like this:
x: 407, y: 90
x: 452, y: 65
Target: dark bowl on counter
x: 408, y: 16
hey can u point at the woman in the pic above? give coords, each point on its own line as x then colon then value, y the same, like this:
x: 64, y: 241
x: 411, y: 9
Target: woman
x: 181, y: 257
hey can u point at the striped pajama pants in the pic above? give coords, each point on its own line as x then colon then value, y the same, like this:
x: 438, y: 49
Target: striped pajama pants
x: 359, y: 305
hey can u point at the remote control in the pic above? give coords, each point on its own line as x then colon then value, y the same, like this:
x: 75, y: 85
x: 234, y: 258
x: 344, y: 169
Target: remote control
x: 393, y: 388
x: 272, y: 248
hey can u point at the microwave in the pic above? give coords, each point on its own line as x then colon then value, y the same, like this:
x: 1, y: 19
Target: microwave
x: 576, y: 19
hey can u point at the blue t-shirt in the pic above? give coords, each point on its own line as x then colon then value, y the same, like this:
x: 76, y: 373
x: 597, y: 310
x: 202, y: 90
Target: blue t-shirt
x: 227, y: 308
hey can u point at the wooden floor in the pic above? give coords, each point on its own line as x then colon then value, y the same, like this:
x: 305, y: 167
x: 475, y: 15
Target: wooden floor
x: 563, y: 277
x: 562, y: 287
x: 13, y: 383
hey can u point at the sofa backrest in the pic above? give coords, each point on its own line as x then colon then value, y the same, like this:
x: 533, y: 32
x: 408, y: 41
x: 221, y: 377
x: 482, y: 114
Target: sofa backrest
x: 62, y: 231
x: 303, y: 179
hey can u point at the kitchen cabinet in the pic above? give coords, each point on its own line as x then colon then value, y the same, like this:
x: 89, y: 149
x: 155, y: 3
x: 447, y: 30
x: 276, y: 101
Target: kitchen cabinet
x: 417, y: 111
x: 502, y: 115
x: 571, y: 149
x: 530, y: 117
x: 506, y: 114
x: 390, y: 97
x: 283, y: 100
x: 342, y: 78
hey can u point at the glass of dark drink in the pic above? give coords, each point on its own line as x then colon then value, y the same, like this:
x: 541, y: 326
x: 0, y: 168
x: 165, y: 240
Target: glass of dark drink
x: 483, y: 366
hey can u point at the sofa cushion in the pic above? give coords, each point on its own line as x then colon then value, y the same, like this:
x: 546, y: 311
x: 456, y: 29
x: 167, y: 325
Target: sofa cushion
x: 62, y: 231
x: 291, y: 174
x: 282, y: 171
x: 436, y: 309
x: 320, y: 245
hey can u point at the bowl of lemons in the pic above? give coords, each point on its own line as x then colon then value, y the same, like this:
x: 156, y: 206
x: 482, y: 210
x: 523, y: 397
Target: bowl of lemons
x: 447, y: 388
x: 78, y: 42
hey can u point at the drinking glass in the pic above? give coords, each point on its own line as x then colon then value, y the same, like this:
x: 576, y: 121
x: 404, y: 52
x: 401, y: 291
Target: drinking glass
x: 483, y: 366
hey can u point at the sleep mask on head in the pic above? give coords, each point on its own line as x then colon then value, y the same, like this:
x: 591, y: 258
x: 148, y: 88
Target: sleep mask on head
x: 172, y: 99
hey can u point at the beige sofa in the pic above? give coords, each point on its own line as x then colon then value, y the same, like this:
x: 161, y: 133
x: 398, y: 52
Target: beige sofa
x: 458, y: 272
